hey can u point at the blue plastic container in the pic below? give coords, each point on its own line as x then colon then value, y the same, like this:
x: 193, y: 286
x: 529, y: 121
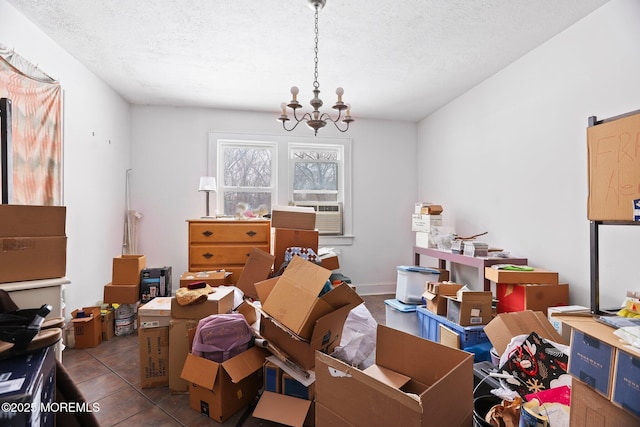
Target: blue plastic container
x: 472, y: 338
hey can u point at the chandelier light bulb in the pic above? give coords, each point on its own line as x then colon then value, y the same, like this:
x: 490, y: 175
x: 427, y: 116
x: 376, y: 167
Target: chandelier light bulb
x: 316, y: 119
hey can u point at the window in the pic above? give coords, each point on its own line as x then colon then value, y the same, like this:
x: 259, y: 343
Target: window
x: 280, y: 170
x: 247, y: 174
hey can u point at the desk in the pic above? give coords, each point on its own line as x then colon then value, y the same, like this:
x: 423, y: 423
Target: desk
x: 478, y: 262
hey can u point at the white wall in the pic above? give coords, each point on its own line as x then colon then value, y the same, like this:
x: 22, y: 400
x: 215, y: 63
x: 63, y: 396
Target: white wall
x: 509, y: 156
x: 96, y: 156
x: 169, y: 154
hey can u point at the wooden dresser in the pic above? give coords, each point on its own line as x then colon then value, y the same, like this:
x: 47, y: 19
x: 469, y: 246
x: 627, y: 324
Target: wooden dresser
x: 225, y: 244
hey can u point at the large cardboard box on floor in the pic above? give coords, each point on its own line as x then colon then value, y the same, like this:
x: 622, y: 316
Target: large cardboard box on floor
x: 87, y: 327
x: 154, y: 356
x: 298, y: 321
x: 414, y: 382
x: 33, y: 242
x: 536, y: 297
x: 507, y: 325
x: 218, y: 302
x: 219, y: 390
x: 126, y: 269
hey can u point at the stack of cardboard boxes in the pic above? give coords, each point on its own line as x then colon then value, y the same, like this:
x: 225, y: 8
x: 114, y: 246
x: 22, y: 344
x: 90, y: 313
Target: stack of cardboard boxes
x: 124, y: 287
x: 536, y: 290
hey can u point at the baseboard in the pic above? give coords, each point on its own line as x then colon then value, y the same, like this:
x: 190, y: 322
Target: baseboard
x: 375, y: 288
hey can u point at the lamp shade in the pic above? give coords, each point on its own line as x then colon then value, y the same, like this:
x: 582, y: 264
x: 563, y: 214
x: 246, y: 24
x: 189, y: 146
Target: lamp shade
x: 207, y: 183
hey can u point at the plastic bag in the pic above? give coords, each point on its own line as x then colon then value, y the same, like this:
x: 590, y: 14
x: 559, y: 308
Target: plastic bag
x: 358, y: 340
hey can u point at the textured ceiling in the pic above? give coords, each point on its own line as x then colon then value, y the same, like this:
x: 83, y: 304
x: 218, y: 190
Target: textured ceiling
x: 396, y: 59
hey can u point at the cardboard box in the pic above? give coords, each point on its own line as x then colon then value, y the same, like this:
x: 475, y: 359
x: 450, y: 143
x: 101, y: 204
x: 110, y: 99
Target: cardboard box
x: 294, y: 388
x: 219, y: 390
x: 626, y: 382
x: 435, y: 294
x: 507, y: 325
x: 435, y: 389
x: 29, y: 387
x: 107, y: 318
x: 588, y: 408
x: 272, y: 377
x: 181, y: 333
x: 614, y: 169
x: 87, y: 327
x: 511, y: 276
x: 32, y: 258
x: 121, y: 294
x: 219, y: 302
x: 31, y: 220
x: 424, y: 208
x: 425, y: 223
x: 287, y: 238
x: 536, y: 297
x: 326, y: 327
x: 591, y: 361
x: 472, y: 309
x: 126, y: 269
x: 294, y: 300
x: 212, y: 278
x: 257, y: 268
x: 154, y: 357
x: 330, y: 262
x: 284, y: 410
x: 155, y: 282
x: 553, y: 312
x: 293, y: 217
x: 155, y: 313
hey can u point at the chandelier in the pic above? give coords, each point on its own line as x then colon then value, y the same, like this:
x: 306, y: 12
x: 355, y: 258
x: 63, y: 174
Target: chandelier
x: 316, y: 120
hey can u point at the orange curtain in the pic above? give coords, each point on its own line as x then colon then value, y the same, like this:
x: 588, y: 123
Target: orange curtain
x: 36, y: 129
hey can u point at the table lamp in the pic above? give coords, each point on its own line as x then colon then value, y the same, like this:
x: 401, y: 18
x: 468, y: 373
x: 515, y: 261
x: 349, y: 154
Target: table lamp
x: 208, y: 185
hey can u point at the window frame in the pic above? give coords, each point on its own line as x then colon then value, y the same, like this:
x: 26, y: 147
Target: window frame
x: 283, y: 176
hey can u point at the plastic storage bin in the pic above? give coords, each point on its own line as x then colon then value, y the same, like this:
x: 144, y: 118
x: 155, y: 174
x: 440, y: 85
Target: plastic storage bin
x: 412, y: 281
x: 402, y: 317
x: 472, y: 338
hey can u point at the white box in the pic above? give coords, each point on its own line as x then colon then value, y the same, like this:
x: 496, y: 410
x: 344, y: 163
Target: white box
x: 156, y: 313
x: 557, y: 323
x: 425, y: 240
x: 425, y: 223
x: 402, y: 317
x: 412, y: 282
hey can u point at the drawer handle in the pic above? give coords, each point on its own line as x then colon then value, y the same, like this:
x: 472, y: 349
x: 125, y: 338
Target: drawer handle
x: 207, y: 255
x: 251, y: 233
x: 207, y: 233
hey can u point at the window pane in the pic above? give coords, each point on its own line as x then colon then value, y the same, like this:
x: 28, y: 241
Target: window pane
x: 253, y: 199
x: 247, y: 167
x: 315, y: 176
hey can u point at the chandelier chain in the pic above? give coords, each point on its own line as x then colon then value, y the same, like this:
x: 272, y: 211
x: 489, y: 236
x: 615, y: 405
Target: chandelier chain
x: 315, y: 50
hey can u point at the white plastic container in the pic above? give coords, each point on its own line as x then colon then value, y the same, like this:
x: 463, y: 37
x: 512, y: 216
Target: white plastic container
x: 402, y: 317
x: 412, y: 281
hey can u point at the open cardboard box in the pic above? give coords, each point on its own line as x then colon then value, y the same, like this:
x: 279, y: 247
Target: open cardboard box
x: 435, y: 293
x: 219, y: 390
x: 414, y: 382
x: 508, y: 325
x: 257, y: 268
x: 295, y: 319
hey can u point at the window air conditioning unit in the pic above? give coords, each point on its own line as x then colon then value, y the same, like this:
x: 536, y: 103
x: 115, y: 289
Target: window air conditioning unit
x: 328, y: 217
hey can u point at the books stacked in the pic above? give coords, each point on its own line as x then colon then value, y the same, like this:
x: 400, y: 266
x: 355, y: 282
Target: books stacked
x: 472, y: 248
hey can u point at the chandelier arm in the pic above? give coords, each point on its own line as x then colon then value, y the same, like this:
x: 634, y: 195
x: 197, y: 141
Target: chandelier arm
x: 338, y: 127
x: 292, y: 128
x: 328, y: 117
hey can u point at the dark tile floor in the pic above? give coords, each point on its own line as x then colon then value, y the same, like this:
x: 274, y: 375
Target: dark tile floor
x: 110, y: 375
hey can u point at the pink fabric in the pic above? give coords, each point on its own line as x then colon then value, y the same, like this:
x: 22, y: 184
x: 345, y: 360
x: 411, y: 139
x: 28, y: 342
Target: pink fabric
x: 37, y: 136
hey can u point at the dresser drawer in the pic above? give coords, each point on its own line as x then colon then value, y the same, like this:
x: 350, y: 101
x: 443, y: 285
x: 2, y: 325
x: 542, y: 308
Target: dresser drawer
x: 249, y: 232
x: 221, y: 255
